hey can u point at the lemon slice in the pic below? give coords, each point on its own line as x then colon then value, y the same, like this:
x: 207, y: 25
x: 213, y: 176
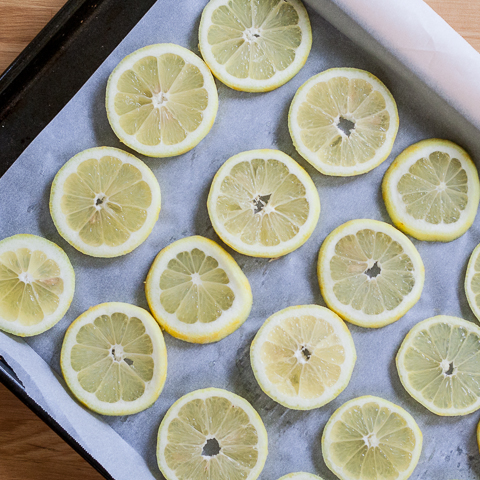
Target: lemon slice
x: 114, y: 359
x: 105, y: 202
x: 300, y: 476
x: 255, y: 46
x: 432, y: 190
x: 472, y: 282
x: 211, y: 434
x: 303, y: 357
x: 438, y: 364
x: 161, y: 100
x: 343, y: 121
x: 197, y: 292
x: 369, y: 273
x: 262, y: 203
x: 371, y: 438
x: 37, y: 282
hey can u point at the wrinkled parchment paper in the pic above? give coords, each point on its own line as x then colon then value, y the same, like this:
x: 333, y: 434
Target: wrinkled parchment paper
x: 126, y: 445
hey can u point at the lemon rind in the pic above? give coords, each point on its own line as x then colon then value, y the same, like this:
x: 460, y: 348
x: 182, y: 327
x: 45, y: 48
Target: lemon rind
x: 420, y: 229
x: 347, y: 367
x: 300, y: 476
x: 73, y: 238
x: 203, y: 394
x: 402, y: 372
x: 251, y: 85
x: 258, y: 250
x: 381, y: 155
x: 122, y: 407
x: 193, y: 138
x: 468, y: 280
x: 326, y: 283
x: 52, y: 250
x: 361, y: 401
x: 200, y: 332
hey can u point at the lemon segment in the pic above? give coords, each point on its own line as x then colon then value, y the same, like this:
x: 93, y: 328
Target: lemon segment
x: 114, y: 359
x: 472, y: 282
x: 161, y: 100
x: 255, y: 46
x: 105, y: 202
x: 369, y: 437
x: 37, y: 283
x: 343, y: 121
x: 369, y: 273
x: 197, y: 292
x: 211, y: 434
x: 262, y: 203
x: 438, y: 364
x: 303, y: 357
x: 432, y: 190
x: 300, y: 476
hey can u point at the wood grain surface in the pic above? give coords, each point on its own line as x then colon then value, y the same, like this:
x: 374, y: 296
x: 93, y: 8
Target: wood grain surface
x: 29, y: 450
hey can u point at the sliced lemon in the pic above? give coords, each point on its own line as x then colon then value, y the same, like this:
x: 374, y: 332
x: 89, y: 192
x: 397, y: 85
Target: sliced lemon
x: 255, y: 46
x: 371, y: 438
x: 262, y: 203
x: 37, y: 282
x: 105, y: 202
x: 369, y: 273
x: 197, y: 292
x: 439, y: 365
x: 472, y: 282
x: 211, y: 434
x: 432, y: 190
x: 303, y: 357
x: 161, y: 100
x: 343, y: 121
x: 114, y: 359
x: 300, y: 476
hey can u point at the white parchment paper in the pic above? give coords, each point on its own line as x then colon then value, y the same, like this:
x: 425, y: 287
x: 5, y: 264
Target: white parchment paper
x: 126, y: 445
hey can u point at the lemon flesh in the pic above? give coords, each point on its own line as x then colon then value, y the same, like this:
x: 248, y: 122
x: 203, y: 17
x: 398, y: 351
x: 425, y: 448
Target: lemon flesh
x: 438, y: 365
x: 369, y: 437
x: 343, y: 121
x: 211, y: 434
x: 263, y: 204
x: 197, y: 292
x: 37, y: 282
x: 105, y: 202
x: 300, y: 476
x: 114, y: 359
x: 472, y: 282
x: 161, y: 100
x: 255, y: 46
x: 303, y: 357
x: 369, y: 273
x: 432, y: 190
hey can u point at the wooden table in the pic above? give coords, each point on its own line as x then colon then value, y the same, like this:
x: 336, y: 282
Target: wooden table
x: 29, y: 450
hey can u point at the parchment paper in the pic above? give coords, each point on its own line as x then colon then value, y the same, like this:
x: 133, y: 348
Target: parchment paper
x: 126, y: 445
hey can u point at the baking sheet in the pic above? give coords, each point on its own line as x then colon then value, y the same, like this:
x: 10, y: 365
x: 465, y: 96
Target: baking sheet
x: 245, y: 121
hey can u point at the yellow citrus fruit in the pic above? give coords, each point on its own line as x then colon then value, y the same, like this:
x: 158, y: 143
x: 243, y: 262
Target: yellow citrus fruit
x: 105, y: 202
x: 37, y: 282
x: 438, y: 365
x: 161, y: 100
x: 197, y: 292
x: 263, y: 203
x: 255, y: 46
x: 472, y: 282
x: 114, y: 359
x: 371, y: 438
x: 211, y: 434
x: 432, y: 190
x: 300, y: 476
x: 369, y: 273
x: 303, y: 357
x: 343, y: 121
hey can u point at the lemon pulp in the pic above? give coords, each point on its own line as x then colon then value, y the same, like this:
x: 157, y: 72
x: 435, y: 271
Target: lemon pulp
x: 195, y: 288
x: 30, y: 286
